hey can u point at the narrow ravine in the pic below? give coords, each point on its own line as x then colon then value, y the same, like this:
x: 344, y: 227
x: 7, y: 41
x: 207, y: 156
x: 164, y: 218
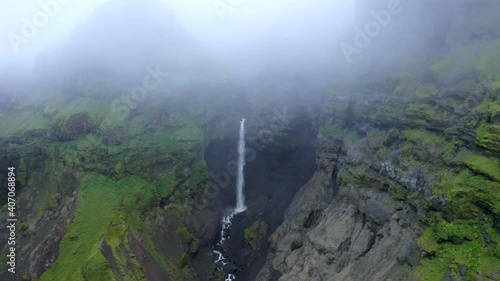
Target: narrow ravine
x: 221, y: 260
x: 272, y: 178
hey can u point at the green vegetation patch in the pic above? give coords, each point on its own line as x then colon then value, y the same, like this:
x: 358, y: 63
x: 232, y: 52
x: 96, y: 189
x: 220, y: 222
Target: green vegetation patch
x: 428, y: 242
x: 184, y: 233
x: 21, y: 122
x: 466, y: 188
x: 420, y: 112
x: 480, y: 164
x: 467, y: 260
x: 465, y: 243
x: 424, y: 137
x: 483, y: 62
x: 426, y: 92
x: 255, y: 233
x: 106, y: 209
x: 331, y: 130
x: 79, y: 250
x: 488, y: 136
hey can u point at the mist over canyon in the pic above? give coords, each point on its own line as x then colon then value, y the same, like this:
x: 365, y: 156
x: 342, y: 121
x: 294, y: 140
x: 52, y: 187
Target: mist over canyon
x: 250, y: 140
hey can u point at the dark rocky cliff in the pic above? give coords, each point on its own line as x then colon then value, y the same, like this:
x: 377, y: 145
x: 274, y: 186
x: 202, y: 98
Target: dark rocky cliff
x: 404, y: 186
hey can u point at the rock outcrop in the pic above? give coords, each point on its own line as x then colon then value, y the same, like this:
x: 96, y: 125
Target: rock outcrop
x: 329, y: 234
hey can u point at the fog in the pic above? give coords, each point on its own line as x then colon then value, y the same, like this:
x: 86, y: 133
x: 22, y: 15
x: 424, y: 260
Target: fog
x: 56, y: 40
x: 251, y: 30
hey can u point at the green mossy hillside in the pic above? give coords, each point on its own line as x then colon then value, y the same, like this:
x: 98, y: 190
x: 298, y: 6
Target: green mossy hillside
x: 101, y: 179
x: 108, y: 211
x: 432, y: 145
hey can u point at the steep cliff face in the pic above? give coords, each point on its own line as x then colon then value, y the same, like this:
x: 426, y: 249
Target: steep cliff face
x: 408, y: 159
x: 337, y: 231
x: 407, y: 182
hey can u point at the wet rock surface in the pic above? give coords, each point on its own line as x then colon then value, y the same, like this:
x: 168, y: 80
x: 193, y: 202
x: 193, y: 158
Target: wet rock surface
x: 331, y: 233
x: 273, y: 173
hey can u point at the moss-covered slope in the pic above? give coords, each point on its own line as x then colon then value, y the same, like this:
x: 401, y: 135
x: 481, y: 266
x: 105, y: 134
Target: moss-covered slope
x: 113, y: 194
x: 432, y: 142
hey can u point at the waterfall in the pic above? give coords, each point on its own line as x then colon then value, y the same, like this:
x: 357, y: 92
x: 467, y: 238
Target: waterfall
x: 218, y: 251
x: 240, y: 197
